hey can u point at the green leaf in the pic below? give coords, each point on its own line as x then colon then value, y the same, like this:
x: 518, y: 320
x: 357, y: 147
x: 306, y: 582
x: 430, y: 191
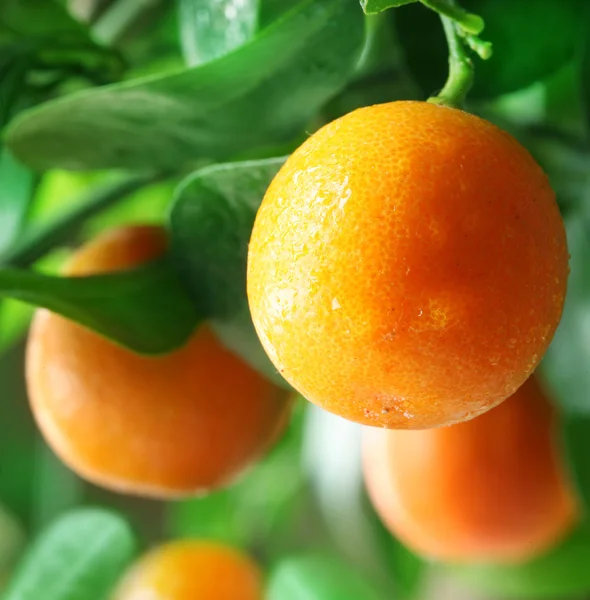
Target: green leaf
x: 566, y: 362
x: 560, y: 573
x: 263, y: 93
x: 271, y: 10
x: 79, y: 557
x: 209, y: 30
x: 14, y: 66
x: 372, y: 7
x: 210, y: 224
x: 16, y: 192
x: 531, y: 41
x: 35, y: 18
x: 145, y: 309
x: 575, y: 435
x: 48, y: 38
x: 320, y: 577
x: 39, y: 240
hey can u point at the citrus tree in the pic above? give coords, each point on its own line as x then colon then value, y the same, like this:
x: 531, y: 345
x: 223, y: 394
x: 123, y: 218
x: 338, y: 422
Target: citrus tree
x: 294, y: 293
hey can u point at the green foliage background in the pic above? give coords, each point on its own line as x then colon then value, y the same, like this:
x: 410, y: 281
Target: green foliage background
x: 123, y: 111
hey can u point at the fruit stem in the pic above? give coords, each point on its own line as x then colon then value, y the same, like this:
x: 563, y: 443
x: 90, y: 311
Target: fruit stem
x: 470, y: 23
x: 460, y: 77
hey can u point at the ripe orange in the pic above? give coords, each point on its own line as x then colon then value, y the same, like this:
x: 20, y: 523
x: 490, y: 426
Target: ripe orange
x: 490, y: 489
x: 167, y: 426
x: 192, y: 570
x: 408, y: 266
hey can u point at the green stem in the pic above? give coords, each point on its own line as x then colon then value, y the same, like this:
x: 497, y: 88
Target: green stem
x: 37, y: 242
x: 460, y: 77
x: 469, y: 22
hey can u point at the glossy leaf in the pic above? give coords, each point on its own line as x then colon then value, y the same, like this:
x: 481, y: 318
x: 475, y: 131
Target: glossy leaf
x: 144, y: 309
x: 263, y: 93
x: 209, y: 30
x: 16, y: 192
x: 531, y: 40
x: 575, y: 435
x: 211, y: 222
x: 560, y: 573
x: 79, y: 557
x: 320, y: 577
x: 372, y: 7
x: 567, y: 363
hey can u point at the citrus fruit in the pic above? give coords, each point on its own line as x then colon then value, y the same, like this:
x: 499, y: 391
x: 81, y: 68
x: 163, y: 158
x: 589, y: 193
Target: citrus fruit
x: 192, y: 570
x: 408, y: 266
x: 167, y: 426
x: 490, y: 489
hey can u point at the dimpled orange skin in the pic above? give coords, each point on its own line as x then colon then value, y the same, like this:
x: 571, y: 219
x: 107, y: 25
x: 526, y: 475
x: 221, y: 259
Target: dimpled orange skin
x: 191, y: 570
x: 167, y: 426
x: 408, y: 266
x: 489, y: 489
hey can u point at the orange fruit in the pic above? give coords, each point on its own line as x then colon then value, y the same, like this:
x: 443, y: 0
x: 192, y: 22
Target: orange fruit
x: 192, y: 570
x: 167, y: 426
x: 489, y: 489
x: 407, y: 267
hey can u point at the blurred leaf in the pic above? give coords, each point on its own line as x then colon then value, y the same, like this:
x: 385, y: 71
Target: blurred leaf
x: 145, y: 309
x: 41, y: 239
x: 332, y: 453
x: 320, y: 577
x: 209, y: 30
x: 584, y: 78
x: 147, y: 205
x: 372, y: 7
x: 43, y: 33
x: 12, y: 539
x: 258, y: 510
x: 14, y: 320
x: 271, y: 10
x: 210, y: 224
x: 560, y: 573
x: 14, y: 315
x: 14, y: 65
x: 16, y: 192
x: 263, y: 93
x: 35, y: 18
x: 575, y: 434
x: 57, y: 488
x: 380, y: 76
x: 567, y: 362
x: 79, y: 557
x: 531, y: 41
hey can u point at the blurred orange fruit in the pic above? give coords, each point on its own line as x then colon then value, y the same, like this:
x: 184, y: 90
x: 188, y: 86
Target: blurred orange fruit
x: 408, y: 266
x: 192, y: 570
x: 490, y: 489
x: 167, y: 426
